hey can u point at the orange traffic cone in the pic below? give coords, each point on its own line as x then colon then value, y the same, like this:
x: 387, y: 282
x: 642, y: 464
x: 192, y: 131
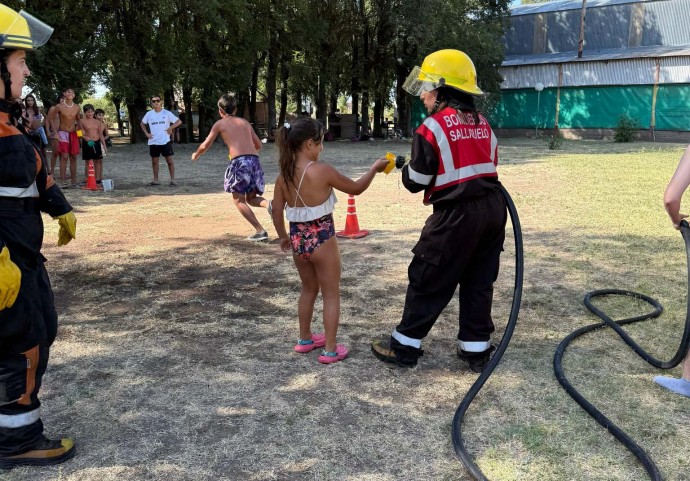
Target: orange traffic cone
x: 91, y: 180
x: 351, y: 224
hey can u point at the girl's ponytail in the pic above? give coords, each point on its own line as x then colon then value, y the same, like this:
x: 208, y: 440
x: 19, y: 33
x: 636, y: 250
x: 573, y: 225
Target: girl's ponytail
x: 290, y: 138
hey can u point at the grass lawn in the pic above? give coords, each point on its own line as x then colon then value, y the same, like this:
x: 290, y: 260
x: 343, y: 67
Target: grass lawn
x: 174, y: 357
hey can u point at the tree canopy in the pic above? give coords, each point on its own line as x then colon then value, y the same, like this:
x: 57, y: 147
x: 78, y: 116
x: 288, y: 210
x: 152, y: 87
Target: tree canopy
x: 283, y: 52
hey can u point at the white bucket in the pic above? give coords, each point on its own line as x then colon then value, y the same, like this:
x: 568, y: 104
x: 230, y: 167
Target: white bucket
x: 108, y: 184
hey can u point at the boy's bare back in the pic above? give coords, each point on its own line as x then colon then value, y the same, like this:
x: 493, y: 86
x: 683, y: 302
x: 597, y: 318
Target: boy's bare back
x: 238, y: 135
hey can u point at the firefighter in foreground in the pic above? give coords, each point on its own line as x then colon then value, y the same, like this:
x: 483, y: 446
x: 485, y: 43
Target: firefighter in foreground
x: 28, y: 321
x: 454, y: 158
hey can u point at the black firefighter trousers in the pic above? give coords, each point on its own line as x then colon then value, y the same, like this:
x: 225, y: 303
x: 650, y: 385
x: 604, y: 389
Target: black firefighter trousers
x: 27, y: 330
x: 460, y: 245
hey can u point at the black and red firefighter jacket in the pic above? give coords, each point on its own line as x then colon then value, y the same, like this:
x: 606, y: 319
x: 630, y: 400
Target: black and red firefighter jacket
x: 29, y: 327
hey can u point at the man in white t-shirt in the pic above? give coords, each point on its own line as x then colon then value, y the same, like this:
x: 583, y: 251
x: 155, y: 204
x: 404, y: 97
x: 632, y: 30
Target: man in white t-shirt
x: 161, y: 124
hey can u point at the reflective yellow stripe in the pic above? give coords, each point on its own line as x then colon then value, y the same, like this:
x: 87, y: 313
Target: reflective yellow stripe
x: 18, y: 40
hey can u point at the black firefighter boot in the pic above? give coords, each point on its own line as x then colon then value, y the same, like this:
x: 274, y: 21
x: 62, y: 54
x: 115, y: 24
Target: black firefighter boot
x: 391, y: 351
x: 45, y: 453
x: 477, y: 360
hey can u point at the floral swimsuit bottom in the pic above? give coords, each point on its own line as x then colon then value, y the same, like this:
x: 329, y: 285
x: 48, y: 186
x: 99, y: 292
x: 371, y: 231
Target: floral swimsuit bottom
x: 307, y: 236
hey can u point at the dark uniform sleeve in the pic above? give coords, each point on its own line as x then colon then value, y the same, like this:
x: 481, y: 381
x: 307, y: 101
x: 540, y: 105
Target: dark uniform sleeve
x: 51, y: 199
x: 419, y: 174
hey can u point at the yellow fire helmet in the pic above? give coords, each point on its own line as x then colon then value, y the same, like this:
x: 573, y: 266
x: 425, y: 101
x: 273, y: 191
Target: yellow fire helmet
x: 444, y: 68
x: 22, y: 31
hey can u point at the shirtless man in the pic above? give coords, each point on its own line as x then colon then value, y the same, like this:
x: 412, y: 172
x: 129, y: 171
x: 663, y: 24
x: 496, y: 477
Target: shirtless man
x: 93, y: 133
x: 52, y: 126
x: 68, y: 114
x: 244, y: 177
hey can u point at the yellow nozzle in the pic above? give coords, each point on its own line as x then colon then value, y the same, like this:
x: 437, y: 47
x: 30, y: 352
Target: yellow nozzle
x: 390, y: 156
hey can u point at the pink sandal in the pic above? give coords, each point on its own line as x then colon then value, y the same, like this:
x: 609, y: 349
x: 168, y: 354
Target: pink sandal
x: 331, y: 357
x: 317, y: 340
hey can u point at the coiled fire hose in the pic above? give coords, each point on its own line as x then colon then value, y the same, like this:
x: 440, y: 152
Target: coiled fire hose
x: 618, y: 433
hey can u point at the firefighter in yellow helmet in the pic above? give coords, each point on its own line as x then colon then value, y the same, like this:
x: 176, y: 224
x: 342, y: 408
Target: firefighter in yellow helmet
x: 28, y: 321
x: 454, y: 158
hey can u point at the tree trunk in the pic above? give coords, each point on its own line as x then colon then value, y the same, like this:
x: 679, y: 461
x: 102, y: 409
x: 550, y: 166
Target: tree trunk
x: 169, y: 98
x: 136, y: 111
x: 284, y: 76
x: 378, y: 111
x: 203, y: 120
x: 117, y: 102
x: 333, y: 100
x: 252, y: 94
x: 188, y: 118
x: 354, y: 87
x: 403, y: 103
x: 271, y: 76
x: 242, y: 103
x: 366, y: 127
x: 298, y: 102
x: 321, y: 102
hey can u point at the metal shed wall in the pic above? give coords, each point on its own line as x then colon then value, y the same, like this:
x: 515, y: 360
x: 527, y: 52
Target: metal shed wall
x: 608, y: 25
x: 635, y: 71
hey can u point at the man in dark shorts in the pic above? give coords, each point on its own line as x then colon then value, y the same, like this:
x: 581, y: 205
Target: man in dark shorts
x: 161, y: 124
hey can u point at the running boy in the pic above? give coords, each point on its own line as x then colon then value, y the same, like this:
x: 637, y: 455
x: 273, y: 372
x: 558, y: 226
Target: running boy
x: 93, y: 132
x: 305, y: 189
x: 244, y: 177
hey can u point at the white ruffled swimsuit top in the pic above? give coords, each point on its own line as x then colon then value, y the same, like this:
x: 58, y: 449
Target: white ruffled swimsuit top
x: 307, y: 213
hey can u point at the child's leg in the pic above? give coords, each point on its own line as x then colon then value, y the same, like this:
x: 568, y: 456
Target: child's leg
x: 310, y: 289
x: 86, y: 170
x: 171, y: 167
x: 246, y: 211
x: 326, y: 261
x: 63, y: 166
x: 73, y: 168
x: 154, y: 167
x: 42, y: 133
x: 98, y: 167
x: 256, y: 200
x: 53, y: 157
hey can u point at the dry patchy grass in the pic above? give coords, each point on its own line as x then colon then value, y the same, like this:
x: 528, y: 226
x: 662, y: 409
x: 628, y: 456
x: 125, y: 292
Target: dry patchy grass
x: 174, y: 358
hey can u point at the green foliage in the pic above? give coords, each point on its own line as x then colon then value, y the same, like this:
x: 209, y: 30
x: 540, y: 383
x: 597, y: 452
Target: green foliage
x: 106, y: 105
x: 555, y: 140
x: 72, y: 56
x: 626, y: 128
x: 322, y: 48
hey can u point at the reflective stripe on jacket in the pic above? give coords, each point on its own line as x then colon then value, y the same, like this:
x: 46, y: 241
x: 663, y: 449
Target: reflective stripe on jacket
x: 452, y: 158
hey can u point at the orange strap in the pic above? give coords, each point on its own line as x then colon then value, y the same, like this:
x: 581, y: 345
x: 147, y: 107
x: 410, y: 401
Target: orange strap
x: 31, y: 364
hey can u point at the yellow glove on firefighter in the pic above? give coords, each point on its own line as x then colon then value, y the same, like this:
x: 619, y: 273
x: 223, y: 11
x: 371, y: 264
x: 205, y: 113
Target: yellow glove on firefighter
x: 10, y: 279
x: 68, y: 228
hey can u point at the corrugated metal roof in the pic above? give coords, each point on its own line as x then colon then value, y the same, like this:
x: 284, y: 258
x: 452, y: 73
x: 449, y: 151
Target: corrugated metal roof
x: 562, y: 5
x: 632, y: 71
x: 610, y: 24
x: 598, y: 55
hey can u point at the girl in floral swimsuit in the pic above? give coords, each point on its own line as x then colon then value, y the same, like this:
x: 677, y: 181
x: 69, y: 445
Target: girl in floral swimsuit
x: 305, y: 191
